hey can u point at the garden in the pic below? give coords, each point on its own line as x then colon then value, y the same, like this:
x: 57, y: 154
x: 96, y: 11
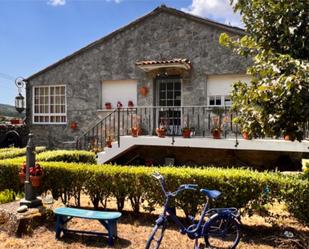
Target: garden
x: 274, y: 206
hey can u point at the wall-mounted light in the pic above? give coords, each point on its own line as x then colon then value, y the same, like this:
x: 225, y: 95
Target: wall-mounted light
x: 19, y: 99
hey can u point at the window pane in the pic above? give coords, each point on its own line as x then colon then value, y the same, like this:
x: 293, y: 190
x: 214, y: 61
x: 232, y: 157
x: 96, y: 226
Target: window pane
x: 211, y: 100
x: 218, y: 100
x: 62, y: 90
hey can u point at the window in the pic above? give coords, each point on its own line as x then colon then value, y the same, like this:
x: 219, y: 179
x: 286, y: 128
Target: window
x: 214, y: 100
x: 219, y: 101
x: 49, y: 105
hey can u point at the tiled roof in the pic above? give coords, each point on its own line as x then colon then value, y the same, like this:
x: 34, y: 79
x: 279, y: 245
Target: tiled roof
x: 172, y: 61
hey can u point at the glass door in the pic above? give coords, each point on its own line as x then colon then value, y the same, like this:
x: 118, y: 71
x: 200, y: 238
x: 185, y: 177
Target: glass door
x: 169, y: 102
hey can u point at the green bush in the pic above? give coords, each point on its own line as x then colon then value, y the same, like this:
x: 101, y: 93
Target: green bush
x: 69, y: 156
x: 7, y: 196
x: 17, y: 152
x: 239, y: 187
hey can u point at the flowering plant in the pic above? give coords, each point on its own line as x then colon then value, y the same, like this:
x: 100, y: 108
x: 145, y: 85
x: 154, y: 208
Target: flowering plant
x: 35, y: 170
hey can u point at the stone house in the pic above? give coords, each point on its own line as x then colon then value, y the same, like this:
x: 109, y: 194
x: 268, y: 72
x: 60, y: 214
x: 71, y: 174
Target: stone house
x: 168, y: 64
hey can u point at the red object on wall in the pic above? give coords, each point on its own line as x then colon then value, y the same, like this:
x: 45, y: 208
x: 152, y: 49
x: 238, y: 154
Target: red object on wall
x: 143, y: 91
x: 73, y: 125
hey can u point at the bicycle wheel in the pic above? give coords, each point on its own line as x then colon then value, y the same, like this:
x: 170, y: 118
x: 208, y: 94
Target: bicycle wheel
x: 222, y: 232
x: 156, y: 236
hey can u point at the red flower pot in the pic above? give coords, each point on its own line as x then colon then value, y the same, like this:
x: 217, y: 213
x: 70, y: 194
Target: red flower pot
x: 246, y: 136
x: 289, y: 137
x: 135, y: 132
x: 186, y: 133
x: 143, y: 91
x: 216, y: 134
x: 73, y: 125
x: 108, y: 105
x: 161, y: 132
x: 36, y: 181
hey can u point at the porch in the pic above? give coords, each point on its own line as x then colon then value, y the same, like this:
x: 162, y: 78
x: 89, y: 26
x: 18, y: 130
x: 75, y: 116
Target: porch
x: 112, y: 135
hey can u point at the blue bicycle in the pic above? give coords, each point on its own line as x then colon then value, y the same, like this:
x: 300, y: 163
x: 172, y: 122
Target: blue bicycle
x: 220, y: 230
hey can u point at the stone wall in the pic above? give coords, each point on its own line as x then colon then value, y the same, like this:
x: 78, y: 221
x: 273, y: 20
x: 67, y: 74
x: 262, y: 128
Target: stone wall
x: 160, y: 36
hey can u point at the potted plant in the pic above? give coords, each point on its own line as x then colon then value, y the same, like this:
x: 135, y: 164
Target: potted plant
x: 161, y: 131
x: 119, y: 104
x: 36, y: 173
x: 135, y: 129
x: 216, y: 132
x: 22, y: 173
x: 73, y: 125
x: 109, y: 142
x: 130, y: 104
x: 108, y: 105
x: 186, y: 132
x: 245, y: 134
x: 192, y: 131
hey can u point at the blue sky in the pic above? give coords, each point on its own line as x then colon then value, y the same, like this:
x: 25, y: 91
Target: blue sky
x: 37, y: 33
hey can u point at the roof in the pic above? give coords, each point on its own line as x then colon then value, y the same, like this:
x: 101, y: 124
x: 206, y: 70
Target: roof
x: 162, y: 8
x: 152, y: 64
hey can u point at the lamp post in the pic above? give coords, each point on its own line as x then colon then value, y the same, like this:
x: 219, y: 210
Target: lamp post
x: 31, y: 193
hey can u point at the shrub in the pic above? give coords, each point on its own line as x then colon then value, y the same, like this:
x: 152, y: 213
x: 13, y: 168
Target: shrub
x: 77, y: 156
x: 7, y: 196
x: 17, y: 152
x: 238, y: 186
x: 305, y: 163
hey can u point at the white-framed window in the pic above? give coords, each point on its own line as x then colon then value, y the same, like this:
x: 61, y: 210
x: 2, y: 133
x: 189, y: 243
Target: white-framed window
x: 49, y: 104
x: 219, y: 100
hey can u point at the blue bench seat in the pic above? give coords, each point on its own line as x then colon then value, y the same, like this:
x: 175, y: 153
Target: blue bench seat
x: 107, y: 219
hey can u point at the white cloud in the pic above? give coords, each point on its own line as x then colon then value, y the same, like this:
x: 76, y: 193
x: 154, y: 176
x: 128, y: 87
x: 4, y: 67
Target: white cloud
x: 116, y: 1
x: 56, y: 2
x: 219, y: 10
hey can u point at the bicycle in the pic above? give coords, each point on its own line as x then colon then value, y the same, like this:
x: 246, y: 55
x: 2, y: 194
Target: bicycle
x: 220, y: 230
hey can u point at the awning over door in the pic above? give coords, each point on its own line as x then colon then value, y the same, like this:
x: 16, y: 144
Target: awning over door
x: 151, y: 65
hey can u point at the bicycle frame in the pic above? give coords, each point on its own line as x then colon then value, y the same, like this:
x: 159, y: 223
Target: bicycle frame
x: 168, y: 211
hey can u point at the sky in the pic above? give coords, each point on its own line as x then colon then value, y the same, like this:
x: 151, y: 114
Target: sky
x: 37, y: 33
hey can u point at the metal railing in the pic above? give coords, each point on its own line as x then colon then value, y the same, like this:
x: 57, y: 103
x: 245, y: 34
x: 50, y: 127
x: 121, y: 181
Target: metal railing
x: 119, y: 122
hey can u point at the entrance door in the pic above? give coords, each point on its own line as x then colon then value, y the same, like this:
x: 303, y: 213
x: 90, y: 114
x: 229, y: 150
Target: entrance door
x: 169, y: 101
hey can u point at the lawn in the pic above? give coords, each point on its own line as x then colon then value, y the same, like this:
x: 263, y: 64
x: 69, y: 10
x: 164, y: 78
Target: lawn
x: 133, y: 231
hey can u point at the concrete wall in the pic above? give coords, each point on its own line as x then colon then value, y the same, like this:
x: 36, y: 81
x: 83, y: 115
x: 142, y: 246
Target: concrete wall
x: 161, y: 36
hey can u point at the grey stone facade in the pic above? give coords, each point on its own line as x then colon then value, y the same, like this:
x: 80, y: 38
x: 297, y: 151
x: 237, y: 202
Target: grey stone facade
x: 163, y: 34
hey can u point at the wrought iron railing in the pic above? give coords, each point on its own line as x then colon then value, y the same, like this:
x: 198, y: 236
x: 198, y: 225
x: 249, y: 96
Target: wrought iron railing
x: 119, y: 122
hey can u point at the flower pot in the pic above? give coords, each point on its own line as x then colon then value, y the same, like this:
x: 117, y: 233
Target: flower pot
x: 143, y: 91
x: 130, y: 104
x: 109, y: 143
x: 73, y: 125
x: 135, y: 132
x: 22, y: 178
x: 216, y: 134
x: 36, y: 181
x: 245, y: 135
x: 161, y: 132
x: 186, y: 133
x: 108, y: 105
x: 15, y: 121
x: 289, y: 137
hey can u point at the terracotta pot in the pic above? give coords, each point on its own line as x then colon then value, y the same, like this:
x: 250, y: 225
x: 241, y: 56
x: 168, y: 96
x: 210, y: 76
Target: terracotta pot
x: 245, y: 135
x: 143, y: 91
x: 161, y: 132
x: 22, y: 177
x: 130, y: 104
x: 135, y: 132
x: 216, y: 134
x: 109, y: 144
x: 289, y: 137
x: 108, y: 106
x: 186, y: 133
x: 36, y: 181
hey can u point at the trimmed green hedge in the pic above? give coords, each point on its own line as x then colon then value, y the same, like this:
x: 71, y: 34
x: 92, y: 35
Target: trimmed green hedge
x: 69, y: 156
x: 17, y: 152
x: 238, y: 186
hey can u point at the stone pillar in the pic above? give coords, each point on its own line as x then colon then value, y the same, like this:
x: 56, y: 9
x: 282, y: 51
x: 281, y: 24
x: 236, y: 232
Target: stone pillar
x: 30, y: 199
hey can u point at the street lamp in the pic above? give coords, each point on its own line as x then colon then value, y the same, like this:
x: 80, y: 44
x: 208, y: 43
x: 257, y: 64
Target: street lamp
x: 31, y: 193
x: 19, y: 99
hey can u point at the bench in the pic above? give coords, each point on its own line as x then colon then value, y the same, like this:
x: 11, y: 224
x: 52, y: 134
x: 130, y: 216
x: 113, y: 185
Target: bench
x: 107, y: 219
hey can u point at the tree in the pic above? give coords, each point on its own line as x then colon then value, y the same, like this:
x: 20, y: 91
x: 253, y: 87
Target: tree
x: 276, y: 102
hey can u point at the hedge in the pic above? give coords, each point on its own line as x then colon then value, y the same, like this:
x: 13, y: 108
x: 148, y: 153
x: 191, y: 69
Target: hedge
x: 238, y: 186
x: 17, y: 152
x: 69, y: 156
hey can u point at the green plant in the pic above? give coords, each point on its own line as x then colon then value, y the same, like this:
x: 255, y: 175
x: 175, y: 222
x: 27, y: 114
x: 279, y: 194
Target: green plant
x: 239, y: 187
x: 78, y: 156
x: 17, y: 152
x: 7, y: 196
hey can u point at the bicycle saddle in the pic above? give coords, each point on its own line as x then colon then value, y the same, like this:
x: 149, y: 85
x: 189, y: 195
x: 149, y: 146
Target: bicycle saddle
x: 213, y: 194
